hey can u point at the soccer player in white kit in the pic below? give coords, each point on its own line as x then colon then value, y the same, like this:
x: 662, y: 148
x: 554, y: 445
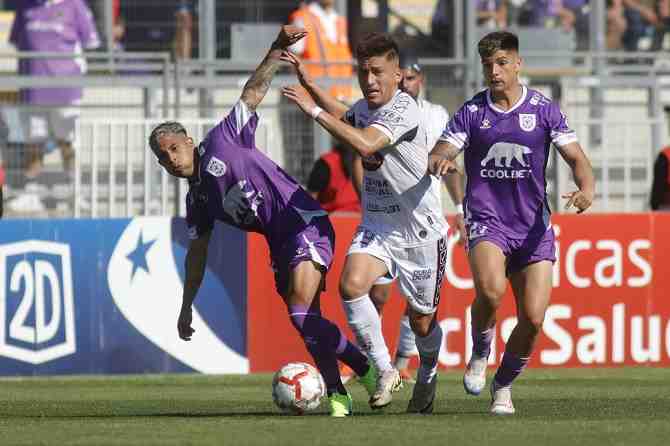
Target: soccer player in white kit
x: 403, y: 231
x: 436, y: 118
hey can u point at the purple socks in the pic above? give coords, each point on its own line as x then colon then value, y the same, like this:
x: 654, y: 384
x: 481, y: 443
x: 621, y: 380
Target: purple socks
x: 511, y: 366
x: 326, y: 345
x: 481, y: 342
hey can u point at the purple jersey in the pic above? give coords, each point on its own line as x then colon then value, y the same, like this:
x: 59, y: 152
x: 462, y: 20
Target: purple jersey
x: 506, y: 153
x: 64, y: 26
x: 239, y: 185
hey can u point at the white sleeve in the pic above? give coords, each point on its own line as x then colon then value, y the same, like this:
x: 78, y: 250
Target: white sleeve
x: 397, y: 120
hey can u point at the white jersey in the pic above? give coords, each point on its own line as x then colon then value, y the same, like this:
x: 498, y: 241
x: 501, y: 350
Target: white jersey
x: 400, y: 201
x: 436, y: 117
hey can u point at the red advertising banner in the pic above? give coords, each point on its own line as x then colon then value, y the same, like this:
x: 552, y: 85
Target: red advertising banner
x: 609, y: 305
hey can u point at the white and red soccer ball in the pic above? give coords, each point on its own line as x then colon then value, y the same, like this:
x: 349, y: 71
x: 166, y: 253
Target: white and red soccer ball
x: 297, y: 388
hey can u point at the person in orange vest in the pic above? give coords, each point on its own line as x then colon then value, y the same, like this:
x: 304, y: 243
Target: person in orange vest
x: 660, y: 189
x: 330, y: 181
x: 326, y: 42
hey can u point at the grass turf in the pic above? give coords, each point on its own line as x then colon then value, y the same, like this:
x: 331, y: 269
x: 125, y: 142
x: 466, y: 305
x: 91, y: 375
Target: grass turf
x: 557, y: 407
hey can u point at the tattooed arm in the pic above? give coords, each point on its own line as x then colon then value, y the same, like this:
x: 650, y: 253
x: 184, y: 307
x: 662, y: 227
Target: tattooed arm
x: 258, y: 84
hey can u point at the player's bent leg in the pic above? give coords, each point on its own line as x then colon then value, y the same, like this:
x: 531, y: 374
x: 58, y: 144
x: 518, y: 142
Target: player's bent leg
x: 487, y: 262
x: 532, y: 290
x: 406, y: 348
x: 322, y: 338
x: 428, y: 341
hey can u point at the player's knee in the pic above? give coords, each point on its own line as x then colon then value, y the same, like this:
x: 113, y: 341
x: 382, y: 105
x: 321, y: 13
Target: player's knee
x: 353, y: 286
x: 532, y: 324
x: 492, y: 292
x: 421, y: 324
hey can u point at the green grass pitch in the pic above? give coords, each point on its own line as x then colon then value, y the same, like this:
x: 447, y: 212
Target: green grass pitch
x: 610, y: 407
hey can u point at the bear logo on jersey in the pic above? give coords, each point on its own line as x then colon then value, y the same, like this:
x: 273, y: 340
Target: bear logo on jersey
x: 508, y: 152
x: 216, y: 167
x: 527, y: 122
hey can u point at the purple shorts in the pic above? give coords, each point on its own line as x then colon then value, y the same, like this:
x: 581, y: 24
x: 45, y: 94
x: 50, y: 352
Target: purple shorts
x: 316, y: 243
x: 521, y: 252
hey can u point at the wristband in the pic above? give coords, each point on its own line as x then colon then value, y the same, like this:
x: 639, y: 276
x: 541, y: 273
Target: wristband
x: 315, y: 111
x: 459, y: 208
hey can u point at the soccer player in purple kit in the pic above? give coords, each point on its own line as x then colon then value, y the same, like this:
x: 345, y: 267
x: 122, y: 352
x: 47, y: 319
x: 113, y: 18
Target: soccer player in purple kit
x: 506, y: 132
x: 65, y: 26
x: 232, y: 181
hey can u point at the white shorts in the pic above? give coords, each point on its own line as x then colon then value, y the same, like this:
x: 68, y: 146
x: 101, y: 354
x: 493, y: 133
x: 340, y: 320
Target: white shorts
x: 42, y: 124
x: 419, y: 269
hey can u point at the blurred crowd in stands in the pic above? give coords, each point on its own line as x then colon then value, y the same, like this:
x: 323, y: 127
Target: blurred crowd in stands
x: 632, y: 25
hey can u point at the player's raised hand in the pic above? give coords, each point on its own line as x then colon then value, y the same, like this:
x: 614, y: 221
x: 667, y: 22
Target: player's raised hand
x: 440, y: 165
x: 288, y: 35
x: 300, y: 69
x: 300, y: 97
x: 579, y: 200
x: 184, y: 323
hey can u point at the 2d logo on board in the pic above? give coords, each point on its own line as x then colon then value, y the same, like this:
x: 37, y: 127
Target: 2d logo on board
x: 37, y: 322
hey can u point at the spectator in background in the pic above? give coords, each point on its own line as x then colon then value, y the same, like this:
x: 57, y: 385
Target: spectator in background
x: 159, y: 27
x: 580, y: 10
x: 327, y: 41
x: 641, y: 19
x: 330, y: 181
x: 616, y: 25
x: 66, y: 26
x: 492, y: 14
x: 550, y: 14
x: 660, y: 188
x: 662, y: 9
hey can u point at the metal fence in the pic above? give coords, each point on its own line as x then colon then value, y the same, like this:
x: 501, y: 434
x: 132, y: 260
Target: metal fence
x: 125, y: 94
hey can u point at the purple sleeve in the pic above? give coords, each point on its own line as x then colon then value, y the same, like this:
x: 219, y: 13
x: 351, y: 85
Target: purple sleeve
x: 457, y: 131
x: 560, y: 132
x: 86, y: 31
x: 198, y: 220
x: 240, y: 126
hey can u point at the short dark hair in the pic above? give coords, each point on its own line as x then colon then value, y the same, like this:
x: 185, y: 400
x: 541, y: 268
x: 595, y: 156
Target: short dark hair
x: 377, y: 44
x: 496, y: 41
x: 409, y: 61
x: 166, y: 128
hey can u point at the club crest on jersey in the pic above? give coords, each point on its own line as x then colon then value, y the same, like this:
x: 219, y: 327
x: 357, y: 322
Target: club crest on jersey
x: 472, y: 108
x: 216, y: 167
x: 527, y: 121
x: 486, y: 124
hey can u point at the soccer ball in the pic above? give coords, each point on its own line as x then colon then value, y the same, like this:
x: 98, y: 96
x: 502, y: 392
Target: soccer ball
x: 297, y: 388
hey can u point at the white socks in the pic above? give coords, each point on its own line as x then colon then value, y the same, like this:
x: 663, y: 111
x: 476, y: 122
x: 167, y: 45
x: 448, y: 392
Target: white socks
x: 366, y: 324
x: 429, y: 350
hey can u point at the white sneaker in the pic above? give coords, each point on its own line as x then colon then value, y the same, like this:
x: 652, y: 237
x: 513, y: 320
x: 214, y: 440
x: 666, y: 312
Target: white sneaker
x: 388, y: 381
x: 474, y: 379
x: 501, y: 400
x: 423, y: 397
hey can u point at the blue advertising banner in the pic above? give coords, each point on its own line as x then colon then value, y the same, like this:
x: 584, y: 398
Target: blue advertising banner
x: 103, y: 296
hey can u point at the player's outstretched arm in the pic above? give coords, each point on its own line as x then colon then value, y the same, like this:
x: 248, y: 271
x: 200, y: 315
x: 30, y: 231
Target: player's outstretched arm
x: 196, y: 260
x: 322, y: 98
x: 259, y: 83
x: 364, y: 141
x: 441, y: 159
x: 582, y: 172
